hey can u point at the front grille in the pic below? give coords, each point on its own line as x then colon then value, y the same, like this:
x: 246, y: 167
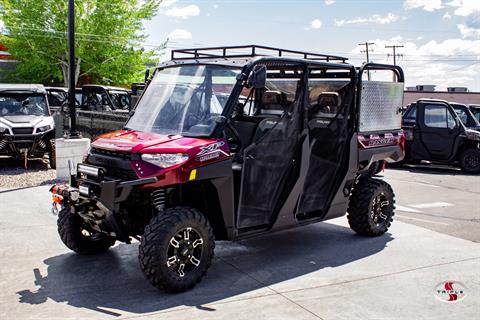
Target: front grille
x: 22, y: 130
x: 120, y: 174
x: 116, y: 164
x: 109, y: 153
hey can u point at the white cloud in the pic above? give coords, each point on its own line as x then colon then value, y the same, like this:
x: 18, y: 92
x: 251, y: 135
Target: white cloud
x: 431, y: 63
x: 329, y: 2
x: 374, y: 19
x: 447, y: 16
x: 316, y: 24
x: 428, y: 5
x: 167, y: 3
x: 180, y: 34
x: 215, y: 6
x: 465, y: 7
x: 183, y: 12
x: 468, y: 32
x: 419, y: 38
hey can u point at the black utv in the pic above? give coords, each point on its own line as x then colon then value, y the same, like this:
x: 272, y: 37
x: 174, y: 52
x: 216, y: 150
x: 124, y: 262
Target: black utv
x: 434, y: 132
x: 232, y: 142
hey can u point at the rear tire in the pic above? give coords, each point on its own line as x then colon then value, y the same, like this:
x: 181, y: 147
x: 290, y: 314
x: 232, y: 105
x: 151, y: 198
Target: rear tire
x: 371, y: 207
x: 75, y: 237
x: 470, y: 161
x: 176, y: 249
x: 52, y: 155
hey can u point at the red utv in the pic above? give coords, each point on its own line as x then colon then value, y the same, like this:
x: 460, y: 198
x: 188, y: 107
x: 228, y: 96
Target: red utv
x: 232, y: 142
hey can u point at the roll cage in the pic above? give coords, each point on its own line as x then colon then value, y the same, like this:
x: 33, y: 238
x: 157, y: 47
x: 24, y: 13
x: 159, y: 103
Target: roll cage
x: 245, y: 58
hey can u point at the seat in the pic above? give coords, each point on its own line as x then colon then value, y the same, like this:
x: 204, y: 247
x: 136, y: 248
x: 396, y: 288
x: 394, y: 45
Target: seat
x: 321, y: 114
x: 274, y: 105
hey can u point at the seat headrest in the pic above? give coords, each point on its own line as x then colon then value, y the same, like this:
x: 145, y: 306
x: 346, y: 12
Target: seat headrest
x: 328, y: 100
x: 273, y: 100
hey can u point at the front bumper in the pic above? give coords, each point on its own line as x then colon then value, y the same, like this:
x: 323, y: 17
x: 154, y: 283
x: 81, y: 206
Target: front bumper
x: 89, y: 186
x: 34, y: 145
x: 93, y: 185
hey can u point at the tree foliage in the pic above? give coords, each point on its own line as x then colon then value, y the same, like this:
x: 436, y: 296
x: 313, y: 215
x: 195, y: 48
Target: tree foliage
x: 108, y: 39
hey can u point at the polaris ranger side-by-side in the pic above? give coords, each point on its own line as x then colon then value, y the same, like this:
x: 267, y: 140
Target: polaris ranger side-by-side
x: 435, y: 132
x: 232, y: 142
x: 26, y: 125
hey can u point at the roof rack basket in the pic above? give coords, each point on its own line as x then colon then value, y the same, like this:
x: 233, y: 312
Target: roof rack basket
x: 249, y: 51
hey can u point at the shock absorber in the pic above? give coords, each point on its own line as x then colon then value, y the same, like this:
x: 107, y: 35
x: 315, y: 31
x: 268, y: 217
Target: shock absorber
x: 159, y: 199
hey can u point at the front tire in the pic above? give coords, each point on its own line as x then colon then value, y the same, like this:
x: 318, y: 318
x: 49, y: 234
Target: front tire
x: 77, y: 238
x: 52, y: 155
x: 371, y: 207
x: 470, y: 161
x: 176, y: 249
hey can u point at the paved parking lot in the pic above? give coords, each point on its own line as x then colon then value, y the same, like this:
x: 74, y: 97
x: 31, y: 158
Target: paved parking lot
x: 322, y: 271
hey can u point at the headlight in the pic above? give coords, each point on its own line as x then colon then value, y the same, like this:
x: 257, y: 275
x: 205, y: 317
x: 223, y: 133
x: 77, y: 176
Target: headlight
x: 3, y: 129
x: 44, y: 128
x: 473, y: 135
x: 165, y: 160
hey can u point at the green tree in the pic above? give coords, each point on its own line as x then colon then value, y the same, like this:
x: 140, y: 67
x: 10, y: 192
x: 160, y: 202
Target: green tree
x: 108, y: 39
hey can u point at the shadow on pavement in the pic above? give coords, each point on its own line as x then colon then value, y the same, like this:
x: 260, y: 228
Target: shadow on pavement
x: 114, y: 280
x: 12, y: 166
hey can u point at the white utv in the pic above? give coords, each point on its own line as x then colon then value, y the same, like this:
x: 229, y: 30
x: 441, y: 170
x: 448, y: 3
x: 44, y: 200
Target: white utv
x: 27, y: 128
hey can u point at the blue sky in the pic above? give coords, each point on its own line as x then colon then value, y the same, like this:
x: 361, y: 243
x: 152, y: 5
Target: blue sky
x: 441, y: 38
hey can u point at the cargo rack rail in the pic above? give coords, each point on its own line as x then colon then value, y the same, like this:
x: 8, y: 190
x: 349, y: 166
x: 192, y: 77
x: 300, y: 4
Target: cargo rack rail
x: 249, y: 51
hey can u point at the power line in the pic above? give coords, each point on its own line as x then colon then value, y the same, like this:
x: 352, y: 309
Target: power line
x: 395, y: 55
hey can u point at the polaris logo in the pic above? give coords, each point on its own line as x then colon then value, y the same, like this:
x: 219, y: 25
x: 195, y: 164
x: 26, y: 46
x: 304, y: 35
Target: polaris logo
x: 210, y: 148
x: 380, y: 141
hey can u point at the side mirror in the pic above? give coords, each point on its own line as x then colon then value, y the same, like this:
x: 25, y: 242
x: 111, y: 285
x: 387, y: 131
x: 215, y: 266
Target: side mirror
x: 258, y: 77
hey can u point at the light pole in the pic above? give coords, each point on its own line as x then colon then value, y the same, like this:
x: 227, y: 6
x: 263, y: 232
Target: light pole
x: 73, y: 133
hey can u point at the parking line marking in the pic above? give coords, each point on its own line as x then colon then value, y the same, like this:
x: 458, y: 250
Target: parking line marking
x: 422, y: 220
x: 407, y: 209
x: 431, y: 205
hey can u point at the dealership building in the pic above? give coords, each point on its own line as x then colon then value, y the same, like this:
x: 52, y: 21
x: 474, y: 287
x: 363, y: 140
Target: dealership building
x: 453, y: 94
x: 7, y: 62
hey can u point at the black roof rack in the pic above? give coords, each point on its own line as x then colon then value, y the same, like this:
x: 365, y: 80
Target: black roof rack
x: 249, y: 51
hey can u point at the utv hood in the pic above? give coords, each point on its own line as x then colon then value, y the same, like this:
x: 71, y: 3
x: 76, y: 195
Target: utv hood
x: 135, y: 141
x: 21, y: 119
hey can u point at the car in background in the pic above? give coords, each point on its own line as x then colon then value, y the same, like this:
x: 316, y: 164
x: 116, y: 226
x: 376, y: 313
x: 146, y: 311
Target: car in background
x: 27, y: 128
x: 475, y: 109
x: 57, y: 97
x: 105, y: 98
x: 99, y: 109
x: 466, y: 116
x: 434, y: 132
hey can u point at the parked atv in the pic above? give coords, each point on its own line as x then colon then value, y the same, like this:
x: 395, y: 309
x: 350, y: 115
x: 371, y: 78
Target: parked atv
x: 434, y: 132
x: 26, y: 125
x: 223, y: 146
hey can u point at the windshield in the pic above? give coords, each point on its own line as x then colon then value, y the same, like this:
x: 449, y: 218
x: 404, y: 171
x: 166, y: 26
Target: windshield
x: 184, y: 100
x: 21, y: 104
x: 57, y: 98
x: 465, y: 116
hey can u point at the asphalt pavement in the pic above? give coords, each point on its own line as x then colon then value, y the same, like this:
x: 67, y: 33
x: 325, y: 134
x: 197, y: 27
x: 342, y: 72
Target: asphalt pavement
x: 322, y: 271
x: 439, y: 198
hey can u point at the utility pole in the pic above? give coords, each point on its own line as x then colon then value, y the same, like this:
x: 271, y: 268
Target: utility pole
x: 367, y: 51
x: 395, y: 55
x: 73, y: 133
